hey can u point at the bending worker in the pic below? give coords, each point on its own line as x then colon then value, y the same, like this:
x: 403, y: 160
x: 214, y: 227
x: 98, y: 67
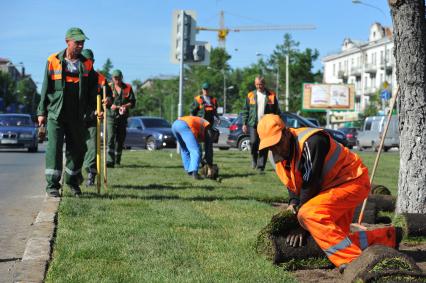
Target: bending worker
x: 189, y: 131
x: 326, y: 182
x: 90, y: 157
x: 123, y: 99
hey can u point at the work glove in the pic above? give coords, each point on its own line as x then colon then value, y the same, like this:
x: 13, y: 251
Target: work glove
x: 296, y: 238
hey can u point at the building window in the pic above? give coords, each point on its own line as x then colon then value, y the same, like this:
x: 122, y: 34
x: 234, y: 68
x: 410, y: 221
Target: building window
x: 381, y: 57
x: 334, y: 69
x: 381, y: 79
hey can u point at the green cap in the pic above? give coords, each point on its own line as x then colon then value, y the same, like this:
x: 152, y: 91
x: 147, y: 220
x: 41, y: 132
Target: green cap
x: 117, y: 73
x: 75, y: 34
x: 205, y: 85
x: 88, y: 53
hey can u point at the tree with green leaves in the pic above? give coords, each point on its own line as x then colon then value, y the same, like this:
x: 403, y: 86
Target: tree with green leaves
x: 106, y: 69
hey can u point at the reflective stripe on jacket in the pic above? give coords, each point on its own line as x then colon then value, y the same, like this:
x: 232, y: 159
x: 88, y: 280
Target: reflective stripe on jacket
x: 249, y: 113
x: 340, y: 164
x: 197, y: 125
x: 205, y: 106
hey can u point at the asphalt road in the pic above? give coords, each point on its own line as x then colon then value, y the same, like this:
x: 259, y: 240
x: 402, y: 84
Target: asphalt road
x: 21, y: 196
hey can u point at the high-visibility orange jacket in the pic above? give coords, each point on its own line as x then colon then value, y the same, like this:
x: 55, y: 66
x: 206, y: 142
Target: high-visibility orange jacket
x: 201, y: 108
x: 55, y: 78
x: 249, y: 113
x: 197, y: 126
x: 340, y: 164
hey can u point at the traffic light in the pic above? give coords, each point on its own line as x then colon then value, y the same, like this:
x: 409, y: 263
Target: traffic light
x: 187, y: 19
x: 198, y: 54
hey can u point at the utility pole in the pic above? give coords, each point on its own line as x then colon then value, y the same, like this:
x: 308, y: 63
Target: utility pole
x: 224, y: 91
x: 286, y: 82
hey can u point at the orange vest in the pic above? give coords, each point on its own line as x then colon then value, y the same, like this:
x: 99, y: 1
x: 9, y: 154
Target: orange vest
x: 206, y: 107
x: 125, y: 92
x: 54, y: 67
x: 340, y: 164
x: 197, y: 126
x: 251, y: 96
x: 101, y: 82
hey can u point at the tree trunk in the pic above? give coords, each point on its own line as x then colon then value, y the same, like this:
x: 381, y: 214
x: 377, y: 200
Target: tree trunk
x: 409, y: 32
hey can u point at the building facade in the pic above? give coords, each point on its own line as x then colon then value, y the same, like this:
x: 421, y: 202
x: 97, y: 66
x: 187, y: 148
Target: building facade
x: 369, y: 66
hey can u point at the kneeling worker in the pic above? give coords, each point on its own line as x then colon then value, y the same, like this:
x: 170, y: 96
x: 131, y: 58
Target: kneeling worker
x: 189, y: 131
x: 326, y: 182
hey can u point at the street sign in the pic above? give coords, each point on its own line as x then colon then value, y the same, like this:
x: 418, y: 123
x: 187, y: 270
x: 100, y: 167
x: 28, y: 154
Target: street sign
x: 385, y: 94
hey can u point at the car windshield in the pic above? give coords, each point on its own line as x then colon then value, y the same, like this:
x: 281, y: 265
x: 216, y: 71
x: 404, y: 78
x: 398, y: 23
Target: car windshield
x: 156, y: 123
x: 15, y: 121
x: 224, y: 123
x: 344, y: 130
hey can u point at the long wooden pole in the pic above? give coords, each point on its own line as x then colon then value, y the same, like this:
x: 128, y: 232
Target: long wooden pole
x: 98, y: 144
x: 105, y: 175
x: 382, y: 141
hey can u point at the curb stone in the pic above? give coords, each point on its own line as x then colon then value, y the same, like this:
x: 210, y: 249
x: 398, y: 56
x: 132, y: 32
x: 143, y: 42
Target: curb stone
x: 38, y: 249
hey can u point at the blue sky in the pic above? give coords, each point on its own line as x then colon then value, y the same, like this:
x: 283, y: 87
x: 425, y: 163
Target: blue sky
x: 136, y: 35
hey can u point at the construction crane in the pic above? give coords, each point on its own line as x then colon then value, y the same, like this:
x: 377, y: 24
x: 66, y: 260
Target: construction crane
x: 222, y: 31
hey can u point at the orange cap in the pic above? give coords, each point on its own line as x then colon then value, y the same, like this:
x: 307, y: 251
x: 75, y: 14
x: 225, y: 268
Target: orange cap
x: 270, y: 130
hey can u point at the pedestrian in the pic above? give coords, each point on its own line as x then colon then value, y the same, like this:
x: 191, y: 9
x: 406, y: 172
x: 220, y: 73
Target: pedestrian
x: 205, y: 105
x: 258, y: 103
x: 68, y: 96
x: 123, y: 99
x: 326, y: 182
x: 189, y: 131
x: 90, y: 156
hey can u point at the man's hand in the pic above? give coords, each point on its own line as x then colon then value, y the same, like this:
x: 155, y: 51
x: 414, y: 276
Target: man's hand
x: 113, y: 107
x: 296, y: 237
x: 292, y: 207
x: 245, y: 129
x: 41, y: 120
x: 99, y: 115
x: 106, y: 102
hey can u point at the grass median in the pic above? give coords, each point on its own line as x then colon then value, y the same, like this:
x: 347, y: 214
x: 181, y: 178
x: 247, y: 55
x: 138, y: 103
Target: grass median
x: 155, y: 224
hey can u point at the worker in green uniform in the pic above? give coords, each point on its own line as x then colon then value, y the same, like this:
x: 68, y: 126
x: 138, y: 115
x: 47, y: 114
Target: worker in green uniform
x: 205, y: 105
x: 123, y: 99
x: 68, y: 96
x: 90, y: 157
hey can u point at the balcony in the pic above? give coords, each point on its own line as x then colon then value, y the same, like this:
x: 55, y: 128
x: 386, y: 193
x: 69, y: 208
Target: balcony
x: 371, y: 69
x: 370, y: 91
x: 356, y: 71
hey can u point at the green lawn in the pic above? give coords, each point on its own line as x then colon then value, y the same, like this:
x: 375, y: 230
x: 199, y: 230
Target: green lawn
x: 155, y: 224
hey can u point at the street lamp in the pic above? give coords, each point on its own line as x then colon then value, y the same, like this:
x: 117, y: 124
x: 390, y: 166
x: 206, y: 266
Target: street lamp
x: 368, y: 5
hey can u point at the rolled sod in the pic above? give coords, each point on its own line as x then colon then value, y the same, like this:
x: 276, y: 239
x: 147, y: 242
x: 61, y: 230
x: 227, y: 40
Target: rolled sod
x: 379, y: 190
x: 383, y: 264
x: 271, y: 243
x: 414, y: 224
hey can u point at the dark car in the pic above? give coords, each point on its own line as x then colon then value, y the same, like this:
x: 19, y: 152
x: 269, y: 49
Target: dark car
x: 18, y: 131
x: 241, y: 141
x: 351, y: 135
x: 149, y: 132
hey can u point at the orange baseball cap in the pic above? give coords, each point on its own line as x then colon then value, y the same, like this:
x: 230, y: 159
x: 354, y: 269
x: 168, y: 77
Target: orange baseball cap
x: 270, y: 130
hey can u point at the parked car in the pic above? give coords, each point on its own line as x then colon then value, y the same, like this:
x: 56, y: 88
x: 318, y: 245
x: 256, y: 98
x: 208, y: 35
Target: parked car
x: 372, y: 131
x: 351, y: 135
x: 241, y: 141
x: 314, y: 121
x: 18, y: 131
x: 223, y: 128
x: 149, y: 132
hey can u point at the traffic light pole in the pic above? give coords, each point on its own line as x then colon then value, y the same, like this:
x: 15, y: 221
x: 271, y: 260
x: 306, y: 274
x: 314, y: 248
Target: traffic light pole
x: 181, y: 70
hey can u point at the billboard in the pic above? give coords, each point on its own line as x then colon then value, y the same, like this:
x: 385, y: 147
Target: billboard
x: 321, y: 97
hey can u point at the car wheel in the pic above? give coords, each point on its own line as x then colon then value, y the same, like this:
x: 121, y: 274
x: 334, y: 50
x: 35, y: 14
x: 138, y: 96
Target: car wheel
x: 386, y: 148
x: 244, y: 144
x: 151, y: 144
x: 223, y: 148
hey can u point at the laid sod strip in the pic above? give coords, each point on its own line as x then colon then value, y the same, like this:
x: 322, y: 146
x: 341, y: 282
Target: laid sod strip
x: 383, y: 264
x: 271, y: 244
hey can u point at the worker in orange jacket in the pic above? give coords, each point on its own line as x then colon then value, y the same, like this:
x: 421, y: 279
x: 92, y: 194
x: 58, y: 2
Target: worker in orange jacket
x: 189, y: 131
x: 326, y: 182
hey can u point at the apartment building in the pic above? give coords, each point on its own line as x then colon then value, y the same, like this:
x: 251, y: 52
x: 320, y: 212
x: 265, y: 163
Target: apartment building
x: 365, y: 64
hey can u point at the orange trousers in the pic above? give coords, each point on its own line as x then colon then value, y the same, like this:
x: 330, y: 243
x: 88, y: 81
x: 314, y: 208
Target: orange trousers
x: 328, y: 216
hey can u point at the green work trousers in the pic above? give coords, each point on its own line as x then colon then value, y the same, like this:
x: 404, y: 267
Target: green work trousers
x: 90, y: 157
x: 116, y: 130
x: 74, y: 133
